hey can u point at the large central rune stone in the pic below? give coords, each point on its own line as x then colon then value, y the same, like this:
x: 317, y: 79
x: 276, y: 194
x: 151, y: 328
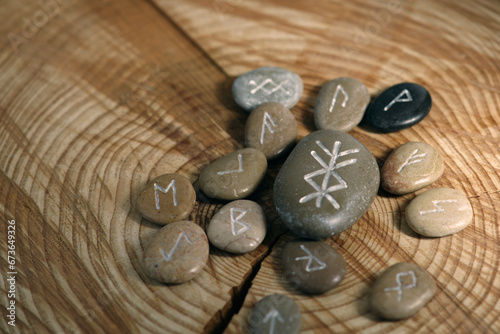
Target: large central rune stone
x: 327, y: 183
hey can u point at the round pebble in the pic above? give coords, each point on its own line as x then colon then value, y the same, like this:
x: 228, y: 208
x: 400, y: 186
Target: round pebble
x: 313, y: 267
x: 439, y: 212
x: 341, y: 104
x: 235, y: 175
x: 239, y: 227
x: 177, y: 253
x: 401, y: 290
x: 272, y: 129
x: 410, y: 167
x: 277, y: 314
x: 166, y: 199
x: 399, y: 107
x: 327, y: 183
x: 267, y: 84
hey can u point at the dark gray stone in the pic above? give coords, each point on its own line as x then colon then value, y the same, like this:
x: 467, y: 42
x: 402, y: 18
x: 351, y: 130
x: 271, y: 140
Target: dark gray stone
x: 277, y: 314
x: 327, y: 183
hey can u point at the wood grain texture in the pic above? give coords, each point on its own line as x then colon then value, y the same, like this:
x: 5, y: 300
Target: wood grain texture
x: 99, y: 97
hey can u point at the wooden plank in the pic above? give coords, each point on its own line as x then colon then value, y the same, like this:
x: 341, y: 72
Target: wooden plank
x: 452, y: 49
x: 98, y: 97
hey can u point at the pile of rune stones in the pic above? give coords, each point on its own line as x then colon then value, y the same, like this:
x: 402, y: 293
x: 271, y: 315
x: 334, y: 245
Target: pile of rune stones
x: 328, y: 181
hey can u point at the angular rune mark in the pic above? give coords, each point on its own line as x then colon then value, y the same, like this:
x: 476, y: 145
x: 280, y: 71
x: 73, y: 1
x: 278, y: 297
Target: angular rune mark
x: 159, y: 188
x: 168, y: 257
x: 400, y: 98
x: 334, y: 101
x: 328, y: 171
x: 267, y: 122
x: 273, y: 315
x: 239, y: 170
x: 262, y: 86
x: 436, y: 204
x: 413, y: 159
x: 310, y: 258
x: 400, y: 287
x: 235, y: 222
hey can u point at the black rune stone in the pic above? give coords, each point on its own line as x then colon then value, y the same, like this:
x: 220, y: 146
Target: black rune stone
x: 399, y: 107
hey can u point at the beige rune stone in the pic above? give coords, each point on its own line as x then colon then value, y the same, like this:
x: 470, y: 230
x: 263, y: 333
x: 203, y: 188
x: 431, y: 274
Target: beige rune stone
x: 401, y: 290
x: 341, y: 104
x: 239, y: 227
x: 235, y: 175
x: 166, y: 199
x: 177, y: 253
x: 272, y: 129
x: 439, y: 212
x: 410, y: 167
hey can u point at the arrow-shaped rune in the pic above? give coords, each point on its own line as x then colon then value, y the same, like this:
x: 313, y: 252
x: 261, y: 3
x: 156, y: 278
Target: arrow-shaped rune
x: 273, y: 315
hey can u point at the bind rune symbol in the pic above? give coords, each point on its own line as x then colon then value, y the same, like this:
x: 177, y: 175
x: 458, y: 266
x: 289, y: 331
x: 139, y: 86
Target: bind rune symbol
x: 328, y: 170
x: 263, y: 84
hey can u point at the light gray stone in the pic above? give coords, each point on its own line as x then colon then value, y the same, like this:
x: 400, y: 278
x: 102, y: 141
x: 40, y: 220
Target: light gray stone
x: 439, y: 212
x: 276, y: 314
x: 267, y: 84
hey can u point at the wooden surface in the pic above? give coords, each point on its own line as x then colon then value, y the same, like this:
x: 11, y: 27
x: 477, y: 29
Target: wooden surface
x: 98, y: 97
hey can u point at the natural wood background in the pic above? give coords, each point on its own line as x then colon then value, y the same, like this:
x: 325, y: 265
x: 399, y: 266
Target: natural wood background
x: 98, y: 97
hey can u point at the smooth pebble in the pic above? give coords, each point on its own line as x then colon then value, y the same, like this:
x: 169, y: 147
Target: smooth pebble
x: 235, y: 175
x: 272, y: 129
x: 166, y: 199
x: 277, y: 314
x: 327, y: 183
x: 400, y: 291
x: 267, y: 84
x: 177, y: 253
x: 410, y: 167
x: 399, y: 107
x: 341, y: 104
x: 238, y: 227
x: 313, y: 267
x: 439, y: 212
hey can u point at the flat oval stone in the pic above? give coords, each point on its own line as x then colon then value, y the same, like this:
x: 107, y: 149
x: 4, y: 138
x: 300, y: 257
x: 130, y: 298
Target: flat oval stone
x: 410, y: 167
x: 177, y: 253
x: 239, y: 227
x: 277, y: 314
x: 267, y: 84
x: 235, y: 175
x: 399, y: 107
x: 439, y: 212
x: 401, y: 290
x: 341, y: 104
x: 166, y: 199
x: 272, y: 129
x: 327, y: 183
x: 313, y: 267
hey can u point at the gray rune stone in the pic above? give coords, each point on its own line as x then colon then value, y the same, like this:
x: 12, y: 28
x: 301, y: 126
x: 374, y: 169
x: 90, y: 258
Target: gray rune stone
x: 276, y: 314
x: 327, y: 183
x: 267, y: 84
x: 341, y: 104
x: 401, y: 290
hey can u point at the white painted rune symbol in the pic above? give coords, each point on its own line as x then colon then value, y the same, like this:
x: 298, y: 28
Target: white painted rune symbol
x: 235, y: 222
x: 439, y: 208
x: 400, y: 287
x: 413, y: 159
x: 273, y: 315
x: 328, y: 170
x: 334, y: 101
x: 239, y: 170
x: 159, y: 188
x: 168, y: 257
x: 310, y: 259
x: 263, y: 84
x: 267, y: 122
x: 400, y: 98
